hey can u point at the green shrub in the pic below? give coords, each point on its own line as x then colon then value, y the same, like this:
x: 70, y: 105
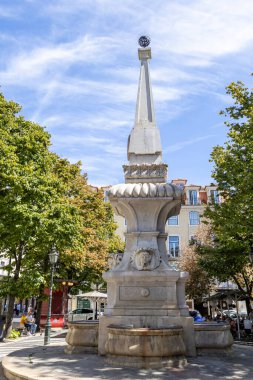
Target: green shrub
x: 14, y: 334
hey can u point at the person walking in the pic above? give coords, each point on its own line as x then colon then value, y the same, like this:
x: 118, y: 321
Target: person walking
x: 247, y: 325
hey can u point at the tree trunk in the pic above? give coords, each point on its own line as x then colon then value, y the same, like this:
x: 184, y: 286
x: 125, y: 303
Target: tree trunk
x: 39, y: 305
x: 9, y: 317
x: 38, y: 314
x: 248, y: 305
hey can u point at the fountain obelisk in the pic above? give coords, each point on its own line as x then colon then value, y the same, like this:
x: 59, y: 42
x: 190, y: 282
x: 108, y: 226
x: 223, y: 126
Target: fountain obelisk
x: 143, y: 290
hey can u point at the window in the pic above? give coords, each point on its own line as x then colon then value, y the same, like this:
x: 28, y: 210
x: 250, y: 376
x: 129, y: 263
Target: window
x: 214, y: 195
x: 173, y: 220
x: 194, y: 218
x: 193, y: 197
x: 81, y: 303
x: 174, y: 246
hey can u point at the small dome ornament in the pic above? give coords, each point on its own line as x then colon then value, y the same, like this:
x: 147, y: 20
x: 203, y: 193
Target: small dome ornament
x: 144, y: 41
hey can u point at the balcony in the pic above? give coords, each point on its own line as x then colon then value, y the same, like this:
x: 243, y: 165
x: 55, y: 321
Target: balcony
x: 197, y: 202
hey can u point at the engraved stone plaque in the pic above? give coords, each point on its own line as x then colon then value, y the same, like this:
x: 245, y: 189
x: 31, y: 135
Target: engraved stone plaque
x: 138, y: 293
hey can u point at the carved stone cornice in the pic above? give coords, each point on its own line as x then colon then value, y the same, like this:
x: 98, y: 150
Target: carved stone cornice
x: 145, y: 171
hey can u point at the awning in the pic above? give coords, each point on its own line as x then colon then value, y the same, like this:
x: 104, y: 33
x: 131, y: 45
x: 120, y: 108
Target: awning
x: 93, y: 296
x: 222, y: 294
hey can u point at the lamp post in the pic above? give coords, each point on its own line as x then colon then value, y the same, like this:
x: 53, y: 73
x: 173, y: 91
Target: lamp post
x: 53, y: 257
x: 251, y: 255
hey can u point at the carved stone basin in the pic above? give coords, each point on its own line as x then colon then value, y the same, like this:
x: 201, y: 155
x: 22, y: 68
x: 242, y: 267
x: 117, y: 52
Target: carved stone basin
x: 145, y: 347
x: 82, y: 336
x: 213, y: 338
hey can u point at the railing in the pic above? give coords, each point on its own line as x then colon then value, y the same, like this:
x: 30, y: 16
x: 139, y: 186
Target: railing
x: 198, y: 202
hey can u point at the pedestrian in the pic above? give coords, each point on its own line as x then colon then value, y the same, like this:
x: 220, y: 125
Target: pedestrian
x: 31, y: 323
x: 23, y: 322
x: 18, y: 307
x: 30, y: 309
x: 232, y: 323
x: 15, y: 310
x: 247, y: 325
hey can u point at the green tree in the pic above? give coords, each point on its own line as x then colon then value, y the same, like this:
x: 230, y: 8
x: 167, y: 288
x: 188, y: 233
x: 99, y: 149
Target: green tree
x: 99, y: 239
x: 44, y: 200
x: 232, y: 220
x: 233, y: 172
x: 36, y: 191
x: 199, y: 283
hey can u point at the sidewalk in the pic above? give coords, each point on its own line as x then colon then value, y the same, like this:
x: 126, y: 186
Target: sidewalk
x: 28, y: 342
x: 55, y: 331
x: 52, y: 363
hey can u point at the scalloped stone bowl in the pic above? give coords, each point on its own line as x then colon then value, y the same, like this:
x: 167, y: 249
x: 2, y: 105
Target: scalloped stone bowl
x: 144, y: 190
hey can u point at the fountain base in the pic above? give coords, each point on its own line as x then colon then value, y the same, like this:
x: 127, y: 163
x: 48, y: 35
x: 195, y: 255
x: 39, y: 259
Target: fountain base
x: 145, y: 347
x: 82, y: 337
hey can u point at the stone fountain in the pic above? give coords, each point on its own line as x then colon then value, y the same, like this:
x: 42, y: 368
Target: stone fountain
x: 145, y: 293
x: 146, y: 322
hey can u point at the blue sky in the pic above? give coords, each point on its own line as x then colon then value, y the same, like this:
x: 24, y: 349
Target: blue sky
x: 73, y: 66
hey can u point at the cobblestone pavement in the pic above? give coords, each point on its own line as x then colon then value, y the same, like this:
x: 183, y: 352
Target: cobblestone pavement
x: 53, y: 364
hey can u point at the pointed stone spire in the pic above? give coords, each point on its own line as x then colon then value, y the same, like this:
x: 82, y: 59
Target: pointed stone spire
x: 144, y: 144
x: 145, y: 115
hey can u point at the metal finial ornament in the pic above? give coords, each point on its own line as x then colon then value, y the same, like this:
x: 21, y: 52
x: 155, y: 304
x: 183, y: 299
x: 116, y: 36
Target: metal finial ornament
x: 144, y: 41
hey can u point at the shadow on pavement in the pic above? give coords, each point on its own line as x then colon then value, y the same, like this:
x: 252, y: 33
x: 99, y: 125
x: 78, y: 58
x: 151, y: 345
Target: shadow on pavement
x: 52, y: 362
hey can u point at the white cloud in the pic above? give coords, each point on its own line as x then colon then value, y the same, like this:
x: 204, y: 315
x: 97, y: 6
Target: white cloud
x: 7, y: 12
x: 112, y: 146
x: 49, y: 59
x: 199, y: 29
x: 203, y: 28
x: 181, y: 145
x: 79, y: 75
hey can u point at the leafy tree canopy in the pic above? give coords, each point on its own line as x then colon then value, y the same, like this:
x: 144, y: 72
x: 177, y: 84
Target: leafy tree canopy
x: 200, y: 282
x: 233, y: 171
x: 232, y: 220
x: 45, y: 200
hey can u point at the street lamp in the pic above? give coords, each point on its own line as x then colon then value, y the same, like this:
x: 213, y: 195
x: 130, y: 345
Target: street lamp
x: 53, y: 257
x: 251, y: 255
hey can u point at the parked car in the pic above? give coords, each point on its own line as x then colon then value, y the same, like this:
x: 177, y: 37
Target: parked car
x: 80, y: 315
x: 229, y: 313
x: 233, y: 314
x: 195, y: 314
